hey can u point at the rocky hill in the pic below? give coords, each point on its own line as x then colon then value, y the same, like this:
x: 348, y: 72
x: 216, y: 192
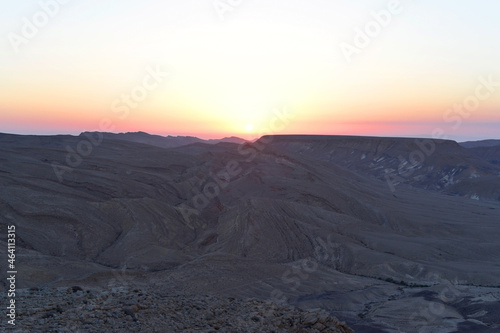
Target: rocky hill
x: 439, y: 165
x: 481, y: 143
x: 490, y: 154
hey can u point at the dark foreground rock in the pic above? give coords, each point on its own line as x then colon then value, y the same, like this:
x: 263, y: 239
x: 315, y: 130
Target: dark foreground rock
x: 121, y: 310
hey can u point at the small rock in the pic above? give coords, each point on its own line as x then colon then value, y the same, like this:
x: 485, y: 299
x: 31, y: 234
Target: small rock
x: 129, y: 312
x: 76, y: 288
x: 310, y: 319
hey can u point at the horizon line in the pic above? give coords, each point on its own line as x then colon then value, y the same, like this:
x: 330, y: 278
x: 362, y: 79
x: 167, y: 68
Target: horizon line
x: 254, y: 138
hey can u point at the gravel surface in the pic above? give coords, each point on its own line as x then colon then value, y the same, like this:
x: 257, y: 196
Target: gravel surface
x: 119, y: 310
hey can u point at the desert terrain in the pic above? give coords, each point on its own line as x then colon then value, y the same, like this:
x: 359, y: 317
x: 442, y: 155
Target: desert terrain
x: 385, y: 234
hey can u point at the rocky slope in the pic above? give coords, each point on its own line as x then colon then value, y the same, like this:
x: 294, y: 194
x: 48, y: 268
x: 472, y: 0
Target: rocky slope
x: 490, y: 154
x: 440, y: 165
x: 78, y: 310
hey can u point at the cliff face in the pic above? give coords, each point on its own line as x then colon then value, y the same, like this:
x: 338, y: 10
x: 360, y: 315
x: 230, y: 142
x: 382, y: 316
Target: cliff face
x: 438, y: 165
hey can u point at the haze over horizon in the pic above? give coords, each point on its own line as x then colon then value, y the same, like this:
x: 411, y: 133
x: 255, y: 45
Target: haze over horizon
x: 213, y: 72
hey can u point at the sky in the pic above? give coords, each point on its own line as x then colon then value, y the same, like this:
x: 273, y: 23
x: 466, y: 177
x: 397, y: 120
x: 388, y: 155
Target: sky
x: 228, y: 67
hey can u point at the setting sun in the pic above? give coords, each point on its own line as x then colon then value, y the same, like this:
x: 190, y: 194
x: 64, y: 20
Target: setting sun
x: 186, y: 67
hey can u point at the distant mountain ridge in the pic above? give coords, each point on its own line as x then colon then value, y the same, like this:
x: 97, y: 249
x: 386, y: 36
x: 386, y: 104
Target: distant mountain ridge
x: 488, y: 150
x: 480, y: 143
x: 163, y: 141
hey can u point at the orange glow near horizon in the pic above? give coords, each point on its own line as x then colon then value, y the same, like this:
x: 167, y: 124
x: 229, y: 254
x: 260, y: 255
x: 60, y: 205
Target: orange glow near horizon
x: 226, y: 75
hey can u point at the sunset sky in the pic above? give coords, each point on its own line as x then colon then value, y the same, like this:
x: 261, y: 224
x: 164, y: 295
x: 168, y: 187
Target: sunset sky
x: 231, y: 64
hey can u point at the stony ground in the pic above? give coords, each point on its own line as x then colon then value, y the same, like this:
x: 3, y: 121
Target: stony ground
x: 118, y: 310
